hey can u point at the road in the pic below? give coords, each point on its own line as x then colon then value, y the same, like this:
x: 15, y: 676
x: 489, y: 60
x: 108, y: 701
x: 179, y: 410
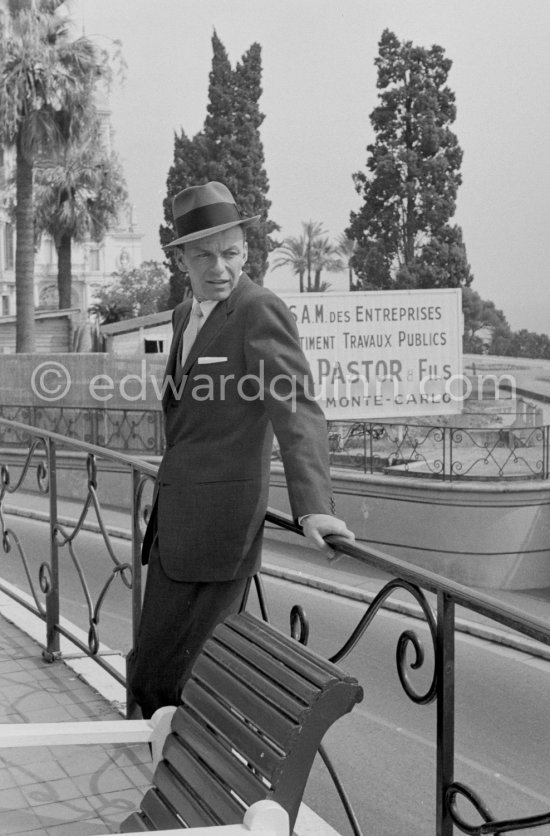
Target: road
x: 385, y: 749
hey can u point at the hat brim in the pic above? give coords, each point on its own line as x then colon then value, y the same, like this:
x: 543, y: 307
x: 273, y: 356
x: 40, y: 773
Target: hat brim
x: 212, y: 230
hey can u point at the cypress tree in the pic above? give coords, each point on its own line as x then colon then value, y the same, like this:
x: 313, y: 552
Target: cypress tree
x: 219, y: 125
x: 228, y: 149
x: 252, y: 184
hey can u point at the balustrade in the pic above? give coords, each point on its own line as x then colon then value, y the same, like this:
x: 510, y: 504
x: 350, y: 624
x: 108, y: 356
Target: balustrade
x: 420, y: 450
x: 436, y: 598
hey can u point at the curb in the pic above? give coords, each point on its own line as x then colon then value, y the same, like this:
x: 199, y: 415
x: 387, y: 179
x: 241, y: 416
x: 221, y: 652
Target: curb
x: 481, y: 631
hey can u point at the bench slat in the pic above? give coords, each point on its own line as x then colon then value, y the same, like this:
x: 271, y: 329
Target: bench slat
x: 295, y: 683
x: 242, y: 738
x: 196, y: 801
x: 276, y: 726
x: 157, y: 812
x: 197, y: 777
x: 158, y: 807
x: 220, y: 759
x: 297, y: 656
x: 275, y: 691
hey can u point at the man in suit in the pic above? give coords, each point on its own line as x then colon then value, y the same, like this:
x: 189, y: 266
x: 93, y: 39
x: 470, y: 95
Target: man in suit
x: 235, y: 375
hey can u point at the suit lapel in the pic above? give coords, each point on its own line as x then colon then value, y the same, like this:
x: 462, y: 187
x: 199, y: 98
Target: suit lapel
x: 171, y: 372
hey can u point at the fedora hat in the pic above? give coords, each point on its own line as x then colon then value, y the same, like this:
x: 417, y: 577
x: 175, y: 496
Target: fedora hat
x: 204, y: 210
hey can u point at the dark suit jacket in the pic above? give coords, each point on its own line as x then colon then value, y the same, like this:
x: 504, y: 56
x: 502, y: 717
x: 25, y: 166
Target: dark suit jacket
x: 212, y: 488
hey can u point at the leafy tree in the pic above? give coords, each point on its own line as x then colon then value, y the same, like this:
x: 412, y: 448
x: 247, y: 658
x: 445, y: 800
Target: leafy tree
x: 228, y: 149
x: 525, y: 343
x: 402, y: 230
x: 137, y: 292
x: 78, y: 195
x: 481, y: 313
x: 45, y: 84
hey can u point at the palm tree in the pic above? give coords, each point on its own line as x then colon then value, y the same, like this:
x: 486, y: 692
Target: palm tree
x: 346, y: 248
x: 324, y: 256
x: 293, y: 252
x: 78, y: 196
x: 312, y: 231
x: 45, y: 81
x: 309, y: 255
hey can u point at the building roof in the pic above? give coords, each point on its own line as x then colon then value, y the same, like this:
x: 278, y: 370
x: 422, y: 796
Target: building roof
x: 136, y: 323
x: 50, y: 314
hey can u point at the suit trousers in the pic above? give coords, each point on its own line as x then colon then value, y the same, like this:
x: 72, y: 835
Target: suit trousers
x: 177, y: 618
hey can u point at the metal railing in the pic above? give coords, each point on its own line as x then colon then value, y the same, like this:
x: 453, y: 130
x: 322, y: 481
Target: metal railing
x: 128, y: 430
x: 441, y: 452
x: 420, y: 450
x: 40, y: 460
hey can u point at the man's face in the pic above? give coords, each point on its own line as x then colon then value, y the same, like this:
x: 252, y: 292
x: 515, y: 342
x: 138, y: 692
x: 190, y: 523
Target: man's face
x: 214, y: 263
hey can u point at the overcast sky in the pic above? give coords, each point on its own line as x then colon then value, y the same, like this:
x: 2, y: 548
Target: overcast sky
x: 319, y: 84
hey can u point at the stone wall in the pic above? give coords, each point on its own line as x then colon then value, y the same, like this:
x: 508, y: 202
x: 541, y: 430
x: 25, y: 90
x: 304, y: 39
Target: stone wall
x: 81, y: 380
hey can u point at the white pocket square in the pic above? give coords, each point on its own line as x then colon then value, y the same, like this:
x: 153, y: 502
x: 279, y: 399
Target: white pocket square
x: 205, y: 360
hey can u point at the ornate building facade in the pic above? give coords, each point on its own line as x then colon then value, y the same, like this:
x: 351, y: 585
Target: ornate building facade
x: 92, y: 263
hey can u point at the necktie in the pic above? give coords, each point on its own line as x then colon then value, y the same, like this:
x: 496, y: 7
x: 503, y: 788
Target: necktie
x: 191, y: 331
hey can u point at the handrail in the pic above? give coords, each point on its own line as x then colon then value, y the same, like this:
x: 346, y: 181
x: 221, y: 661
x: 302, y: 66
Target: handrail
x: 464, y: 596
x: 44, y: 447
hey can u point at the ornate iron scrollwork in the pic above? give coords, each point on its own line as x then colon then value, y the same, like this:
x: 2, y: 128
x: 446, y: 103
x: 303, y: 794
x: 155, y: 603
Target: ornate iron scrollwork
x: 407, y: 639
x: 10, y: 538
x: 65, y: 537
x: 490, y: 825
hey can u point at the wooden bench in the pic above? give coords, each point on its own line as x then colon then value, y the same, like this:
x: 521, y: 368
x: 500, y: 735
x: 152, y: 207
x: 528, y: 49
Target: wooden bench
x: 250, y: 721
x: 251, y: 718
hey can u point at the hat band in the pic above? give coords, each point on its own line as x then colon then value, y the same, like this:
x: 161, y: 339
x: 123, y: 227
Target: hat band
x: 205, y: 217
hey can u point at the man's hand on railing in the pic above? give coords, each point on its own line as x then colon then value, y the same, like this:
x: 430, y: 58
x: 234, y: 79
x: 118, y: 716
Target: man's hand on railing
x: 318, y: 526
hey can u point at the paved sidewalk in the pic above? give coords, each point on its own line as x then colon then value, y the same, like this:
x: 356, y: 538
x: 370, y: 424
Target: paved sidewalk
x: 65, y: 790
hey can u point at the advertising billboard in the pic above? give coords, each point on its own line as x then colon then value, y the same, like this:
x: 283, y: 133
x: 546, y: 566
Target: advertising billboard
x: 383, y: 354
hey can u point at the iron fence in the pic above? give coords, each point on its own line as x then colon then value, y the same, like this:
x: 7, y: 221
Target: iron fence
x: 420, y: 450
x: 128, y: 430
x: 39, y: 463
x: 441, y: 452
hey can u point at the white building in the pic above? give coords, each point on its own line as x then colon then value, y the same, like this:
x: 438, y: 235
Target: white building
x: 92, y: 263
x: 150, y: 334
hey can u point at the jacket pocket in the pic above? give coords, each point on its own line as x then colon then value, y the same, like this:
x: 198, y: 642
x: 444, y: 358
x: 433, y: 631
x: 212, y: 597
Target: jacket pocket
x: 208, y: 527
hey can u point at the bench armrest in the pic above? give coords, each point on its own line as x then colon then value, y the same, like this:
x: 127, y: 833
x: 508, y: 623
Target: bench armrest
x: 83, y: 732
